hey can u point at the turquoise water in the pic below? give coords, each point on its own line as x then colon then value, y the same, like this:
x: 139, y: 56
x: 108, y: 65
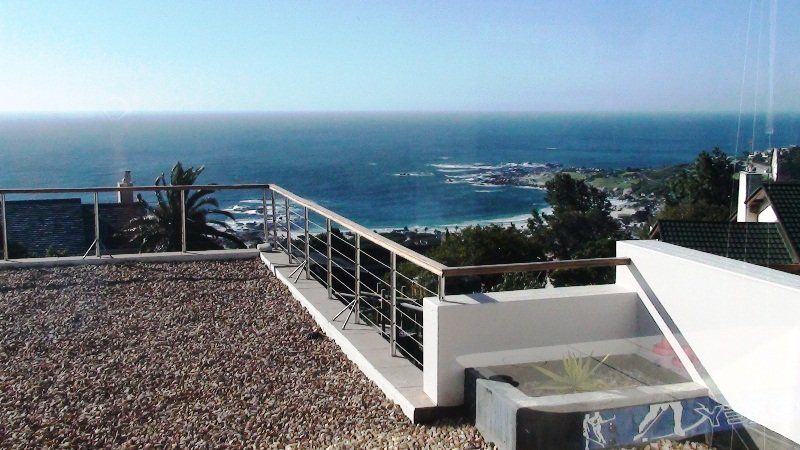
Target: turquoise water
x: 352, y: 163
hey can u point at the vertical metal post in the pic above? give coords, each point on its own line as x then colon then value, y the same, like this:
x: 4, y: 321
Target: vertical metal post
x: 183, y: 221
x: 358, y: 278
x: 96, y: 225
x: 5, y: 226
x: 441, y: 287
x: 393, y: 304
x: 330, y: 265
x: 274, y: 221
x: 382, y: 315
x: 308, y: 246
x: 264, y: 214
x: 288, y: 228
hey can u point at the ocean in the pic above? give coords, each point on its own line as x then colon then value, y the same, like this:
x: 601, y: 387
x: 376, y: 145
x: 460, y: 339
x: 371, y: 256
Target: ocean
x: 383, y: 170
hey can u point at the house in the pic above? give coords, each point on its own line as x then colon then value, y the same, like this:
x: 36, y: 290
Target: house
x: 65, y: 227
x: 765, y: 229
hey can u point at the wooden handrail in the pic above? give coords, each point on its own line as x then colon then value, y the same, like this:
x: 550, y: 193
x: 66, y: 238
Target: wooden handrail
x: 534, y: 266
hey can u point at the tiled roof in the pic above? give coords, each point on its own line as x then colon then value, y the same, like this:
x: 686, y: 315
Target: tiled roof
x: 753, y: 242
x: 114, y: 217
x: 785, y: 200
x: 67, y: 225
x: 39, y: 225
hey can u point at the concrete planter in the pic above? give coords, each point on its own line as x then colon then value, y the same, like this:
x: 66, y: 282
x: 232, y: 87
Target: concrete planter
x: 594, y: 420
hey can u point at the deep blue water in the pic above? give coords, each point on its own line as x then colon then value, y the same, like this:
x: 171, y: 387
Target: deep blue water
x: 348, y: 162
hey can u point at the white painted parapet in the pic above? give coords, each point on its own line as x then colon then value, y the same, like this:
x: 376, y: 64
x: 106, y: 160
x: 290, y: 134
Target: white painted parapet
x: 462, y: 326
x: 742, y: 321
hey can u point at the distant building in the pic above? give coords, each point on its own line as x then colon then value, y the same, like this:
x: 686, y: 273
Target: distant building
x: 772, y: 163
x: 66, y: 226
x: 765, y: 230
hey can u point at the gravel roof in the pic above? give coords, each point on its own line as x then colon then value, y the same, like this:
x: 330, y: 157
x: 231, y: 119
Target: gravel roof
x: 195, y: 353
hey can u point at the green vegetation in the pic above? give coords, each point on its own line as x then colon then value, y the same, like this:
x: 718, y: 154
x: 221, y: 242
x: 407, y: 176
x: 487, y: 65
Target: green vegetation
x: 703, y: 191
x: 580, y: 227
x: 640, y: 181
x: 53, y: 252
x: 479, y: 245
x: 161, y: 230
x: 578, y: 376
x: 793, y: 165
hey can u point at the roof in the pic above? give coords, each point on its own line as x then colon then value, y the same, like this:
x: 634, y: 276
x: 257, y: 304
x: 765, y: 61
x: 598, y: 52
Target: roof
x: 114, y: 217
x: 39, y: 225
x: 66, y: 225
x: 754, y: 242
x: 785, y: 200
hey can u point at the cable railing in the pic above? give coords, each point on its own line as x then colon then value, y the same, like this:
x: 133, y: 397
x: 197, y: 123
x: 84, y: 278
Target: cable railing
x: 348, y: 259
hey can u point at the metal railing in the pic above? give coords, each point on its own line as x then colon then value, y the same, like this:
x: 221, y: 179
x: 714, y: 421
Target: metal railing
x: 370, y: 281
x: 366, y: 271
x: 96, y: 191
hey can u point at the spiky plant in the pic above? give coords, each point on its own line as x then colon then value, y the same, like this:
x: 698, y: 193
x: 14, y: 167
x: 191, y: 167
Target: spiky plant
x: 160, y: 230
x: 577, y: 377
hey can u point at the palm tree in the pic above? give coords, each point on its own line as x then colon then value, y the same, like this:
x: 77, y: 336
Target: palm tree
x: 160, y: 230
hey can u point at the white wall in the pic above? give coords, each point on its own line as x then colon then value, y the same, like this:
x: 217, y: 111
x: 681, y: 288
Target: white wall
x: 767, y: 215
x: 479, y: 323
x: 741, y: 320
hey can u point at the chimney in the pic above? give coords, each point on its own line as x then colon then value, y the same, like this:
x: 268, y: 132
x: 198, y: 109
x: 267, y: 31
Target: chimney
x: 749, y: 182
x: 125, y: 197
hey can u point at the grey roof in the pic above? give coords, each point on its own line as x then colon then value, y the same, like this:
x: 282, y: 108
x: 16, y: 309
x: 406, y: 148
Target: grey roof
x: 785, y: 200
x: 754, y: 242
x: 114, y: 217
x: 39, y: 225
x: 67, y: 225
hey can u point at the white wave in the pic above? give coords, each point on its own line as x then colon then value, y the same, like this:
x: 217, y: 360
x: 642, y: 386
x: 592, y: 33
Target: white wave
x: 413, y: 174
x: 485, y: 184
x: 456, y: 166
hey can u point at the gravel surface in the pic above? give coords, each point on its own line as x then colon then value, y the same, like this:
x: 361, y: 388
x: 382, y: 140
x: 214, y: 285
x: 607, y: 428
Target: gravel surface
x: 191, y: 354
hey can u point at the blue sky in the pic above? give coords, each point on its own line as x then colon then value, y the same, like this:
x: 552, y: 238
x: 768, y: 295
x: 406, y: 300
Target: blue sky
x: 420, y: 56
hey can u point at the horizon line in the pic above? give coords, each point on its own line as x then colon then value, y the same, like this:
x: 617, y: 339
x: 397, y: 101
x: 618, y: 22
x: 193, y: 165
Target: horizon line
x: 372, y: 111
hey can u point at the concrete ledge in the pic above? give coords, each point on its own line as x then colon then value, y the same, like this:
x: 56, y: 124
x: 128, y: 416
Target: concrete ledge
x: 397, y: 377
x: 166, y: 257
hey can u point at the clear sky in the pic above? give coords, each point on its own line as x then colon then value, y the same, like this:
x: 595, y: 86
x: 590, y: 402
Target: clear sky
x: 557, y: 55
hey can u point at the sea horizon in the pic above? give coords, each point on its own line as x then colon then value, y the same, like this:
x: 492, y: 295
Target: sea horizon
x: 386, y: 170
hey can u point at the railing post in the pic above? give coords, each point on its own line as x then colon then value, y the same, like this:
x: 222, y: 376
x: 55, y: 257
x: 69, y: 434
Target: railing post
x: 288, y: 228
x: 274, y: 220
x: 183, y: 221
x: 96, y: 225
x: 4, y: 225
x: 358, y: 277
x: 307, y: 246
x: 393, y: 304
x: 382, y: 316
x: 330, y: 265
x: 442, y: 280
x: 264, y: 214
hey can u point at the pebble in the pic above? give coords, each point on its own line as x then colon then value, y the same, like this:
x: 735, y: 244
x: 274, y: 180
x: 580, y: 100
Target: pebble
x: 201, y: 354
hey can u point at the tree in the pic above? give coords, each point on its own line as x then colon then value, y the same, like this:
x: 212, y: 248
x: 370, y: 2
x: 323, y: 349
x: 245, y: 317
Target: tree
x: 793, y: 164
x: 703, y: 191
x: 478, y: 245
x: 161, y: 230
x: 580, y: 226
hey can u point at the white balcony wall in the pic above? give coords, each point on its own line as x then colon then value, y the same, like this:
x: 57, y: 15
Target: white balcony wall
x: 464, y: 326
x: 742, y: 321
